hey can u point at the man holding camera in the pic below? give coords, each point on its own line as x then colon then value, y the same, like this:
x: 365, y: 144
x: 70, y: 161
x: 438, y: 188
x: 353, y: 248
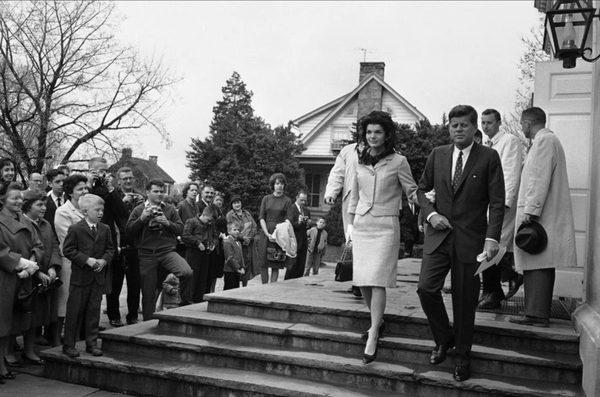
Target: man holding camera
x: 154, y: 226
x: 114, y: 213
x: 126, y: 261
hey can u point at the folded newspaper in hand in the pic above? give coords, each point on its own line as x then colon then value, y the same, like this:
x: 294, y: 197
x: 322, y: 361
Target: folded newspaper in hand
x: 485, y: 263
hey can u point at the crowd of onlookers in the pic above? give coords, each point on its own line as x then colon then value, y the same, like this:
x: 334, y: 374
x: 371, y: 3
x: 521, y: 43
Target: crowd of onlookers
x: 66, y: 243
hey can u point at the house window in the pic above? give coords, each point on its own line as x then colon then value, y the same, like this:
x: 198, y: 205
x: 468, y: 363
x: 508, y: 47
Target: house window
x: 341, y: 133
x: 313, y: 186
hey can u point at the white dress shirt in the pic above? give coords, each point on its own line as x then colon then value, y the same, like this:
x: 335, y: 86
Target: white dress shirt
x: 466, y: 152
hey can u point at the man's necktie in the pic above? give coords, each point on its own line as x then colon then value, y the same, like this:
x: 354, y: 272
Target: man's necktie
x: 457, y: 171
x: 94, y: 231
x: 58, y: 203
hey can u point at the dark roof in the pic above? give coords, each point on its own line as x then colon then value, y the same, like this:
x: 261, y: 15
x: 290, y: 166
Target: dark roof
x: 149, y: 169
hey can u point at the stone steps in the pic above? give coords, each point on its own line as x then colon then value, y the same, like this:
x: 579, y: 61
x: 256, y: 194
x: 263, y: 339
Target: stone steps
x: 525, y: 364
x: 560, y: 338
x: 320, y: 366
x: 302, y: 338
x: 157, y: 376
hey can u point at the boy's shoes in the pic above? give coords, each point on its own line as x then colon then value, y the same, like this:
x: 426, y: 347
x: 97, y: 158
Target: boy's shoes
x: 131, y: 321
x: 94, y: 351
x: 116, y: 323
x: 70, y: 352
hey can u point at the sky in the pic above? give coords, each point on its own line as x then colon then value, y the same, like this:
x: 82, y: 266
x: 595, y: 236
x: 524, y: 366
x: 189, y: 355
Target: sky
x: 296, y: 56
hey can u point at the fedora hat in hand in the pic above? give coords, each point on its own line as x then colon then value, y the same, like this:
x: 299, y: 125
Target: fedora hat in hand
x: 531, y: 238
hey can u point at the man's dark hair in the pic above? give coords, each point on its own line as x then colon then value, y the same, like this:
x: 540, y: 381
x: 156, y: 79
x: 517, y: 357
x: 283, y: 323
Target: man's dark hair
x: 535, y: 115
x: 123, y: 170
x: 154, y: 182
x: 70, y: 182
x: 496, y: 113
x: 186, y: 188
x: 463, y: 110
x: 53, y: 173
x: 278, y: 176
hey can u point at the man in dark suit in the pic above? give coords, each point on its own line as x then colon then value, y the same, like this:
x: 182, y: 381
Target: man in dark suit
x: 55, y: 199
x: 467, y: 179
x: 301, y: 223
x: 115, y: 217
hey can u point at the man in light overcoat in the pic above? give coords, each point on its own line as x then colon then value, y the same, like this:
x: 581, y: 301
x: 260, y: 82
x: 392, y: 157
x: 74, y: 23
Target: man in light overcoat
x: 543, y: 197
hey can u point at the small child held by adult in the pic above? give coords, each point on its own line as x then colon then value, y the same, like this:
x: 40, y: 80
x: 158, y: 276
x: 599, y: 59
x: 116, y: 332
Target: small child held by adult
x: 89, y: 247
x: 170, y: 292
x: 234, y: 257
x: 317, y: 243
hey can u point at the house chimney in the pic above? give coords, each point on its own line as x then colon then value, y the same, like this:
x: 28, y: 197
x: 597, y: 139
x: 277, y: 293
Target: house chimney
x: 126, y: 153
x: 366, y: 68
x: 369, y: 97
x: 153, y: 159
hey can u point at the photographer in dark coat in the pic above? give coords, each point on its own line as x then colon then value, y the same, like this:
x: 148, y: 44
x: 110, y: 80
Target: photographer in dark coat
x: 126, y: 260
x: 154, y: 226
x: 114, y: 214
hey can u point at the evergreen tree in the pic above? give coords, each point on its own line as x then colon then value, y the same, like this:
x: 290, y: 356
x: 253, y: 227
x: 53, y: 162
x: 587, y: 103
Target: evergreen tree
x: 242, y: 151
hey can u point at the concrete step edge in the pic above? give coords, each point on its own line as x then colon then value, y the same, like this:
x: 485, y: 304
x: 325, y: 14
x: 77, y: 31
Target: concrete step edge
x: 481, y: 325
x: 311, y: 358
x: 191, y: 372
x: 555, y: 360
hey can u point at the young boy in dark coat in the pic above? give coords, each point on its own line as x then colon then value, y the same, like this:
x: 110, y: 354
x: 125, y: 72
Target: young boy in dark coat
x: 234, y: 257
x: 89, y: 247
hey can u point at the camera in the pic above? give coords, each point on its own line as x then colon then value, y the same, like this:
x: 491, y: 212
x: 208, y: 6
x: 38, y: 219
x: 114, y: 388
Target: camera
x: 156, y: 211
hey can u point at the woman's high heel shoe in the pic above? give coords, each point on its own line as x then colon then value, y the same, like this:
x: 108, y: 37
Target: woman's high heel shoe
x: 365, y: 335
x: 369, y: 358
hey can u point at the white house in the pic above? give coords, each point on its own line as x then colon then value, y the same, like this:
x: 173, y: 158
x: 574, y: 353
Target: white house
x: 327, y: 129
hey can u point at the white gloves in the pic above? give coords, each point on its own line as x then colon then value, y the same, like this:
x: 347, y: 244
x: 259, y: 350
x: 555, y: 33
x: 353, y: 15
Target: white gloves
x: 349, y: 231
x: 26, y: 268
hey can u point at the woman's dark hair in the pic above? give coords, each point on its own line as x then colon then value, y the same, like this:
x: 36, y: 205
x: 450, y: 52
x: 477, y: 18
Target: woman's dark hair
x: 30, y: 197
x: 384, y: 120
x: 186, y: 188
x: 277, y: 177
x: 70, y: 182
x: 4, y: 161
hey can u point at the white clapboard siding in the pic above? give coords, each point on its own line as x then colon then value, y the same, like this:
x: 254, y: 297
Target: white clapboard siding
x: 306, y: 126
x: 400, y: 113
x: 320, y: 143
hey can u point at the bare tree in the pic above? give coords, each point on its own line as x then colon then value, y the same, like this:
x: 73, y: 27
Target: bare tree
x: 65, y: 83
x: 532, y: 54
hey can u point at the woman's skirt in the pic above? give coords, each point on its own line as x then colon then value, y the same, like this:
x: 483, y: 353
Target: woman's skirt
x: 375, y: 246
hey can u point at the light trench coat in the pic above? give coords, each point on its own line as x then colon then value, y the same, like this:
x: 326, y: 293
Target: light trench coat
x: 510, y: 150
x: 544, y: 192
x: 341, y: 178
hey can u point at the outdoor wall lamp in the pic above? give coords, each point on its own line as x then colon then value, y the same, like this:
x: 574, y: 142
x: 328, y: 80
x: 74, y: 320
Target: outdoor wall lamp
x: 567, y: 26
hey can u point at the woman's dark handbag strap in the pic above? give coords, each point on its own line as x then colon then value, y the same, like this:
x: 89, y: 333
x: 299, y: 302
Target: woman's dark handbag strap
x: 343, y: 269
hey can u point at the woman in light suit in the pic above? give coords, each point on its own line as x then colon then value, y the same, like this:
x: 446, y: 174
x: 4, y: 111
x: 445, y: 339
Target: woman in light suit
x: 375, y: 200
x: 66, y: 215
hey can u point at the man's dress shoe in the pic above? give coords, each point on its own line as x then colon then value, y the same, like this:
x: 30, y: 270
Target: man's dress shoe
x: 491, y: 302
x: 513, y: 286
x: 462, y: 371
x: 438, y: 355
x: 528, y: 320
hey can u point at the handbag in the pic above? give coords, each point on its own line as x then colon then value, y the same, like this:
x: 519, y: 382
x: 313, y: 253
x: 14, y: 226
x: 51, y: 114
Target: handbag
x: 275, y: 253
x: 343, y: 268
